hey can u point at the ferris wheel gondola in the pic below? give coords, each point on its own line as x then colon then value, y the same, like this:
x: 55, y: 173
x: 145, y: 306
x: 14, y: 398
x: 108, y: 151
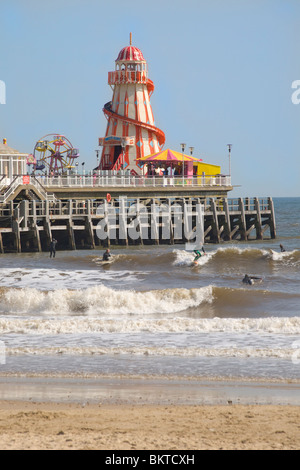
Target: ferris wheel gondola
x: 54, y: 154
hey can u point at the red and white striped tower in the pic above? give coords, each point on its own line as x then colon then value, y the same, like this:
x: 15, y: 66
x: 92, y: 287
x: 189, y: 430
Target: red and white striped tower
x: 131, y: 132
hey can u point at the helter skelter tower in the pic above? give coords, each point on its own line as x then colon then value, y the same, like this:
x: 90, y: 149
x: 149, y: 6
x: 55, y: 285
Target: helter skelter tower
x: 131, y: 132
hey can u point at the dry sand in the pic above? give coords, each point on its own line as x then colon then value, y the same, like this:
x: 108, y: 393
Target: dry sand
x: 27, y: 425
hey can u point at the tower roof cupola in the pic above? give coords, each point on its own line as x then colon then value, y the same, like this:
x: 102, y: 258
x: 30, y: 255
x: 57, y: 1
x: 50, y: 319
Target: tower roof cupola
x: 130, y: 53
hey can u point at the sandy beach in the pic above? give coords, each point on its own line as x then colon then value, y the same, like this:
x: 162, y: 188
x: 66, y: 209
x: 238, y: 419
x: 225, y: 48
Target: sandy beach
x: 26, y: 425
x: 138, y: 415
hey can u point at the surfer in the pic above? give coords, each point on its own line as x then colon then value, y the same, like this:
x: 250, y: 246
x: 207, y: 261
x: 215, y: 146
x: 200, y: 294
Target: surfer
x: 247, y: 280
x: 282, y: 249
x: 198, y: 254
x: 107, y: 255
x: 251, y: 279
x: 53, y: 247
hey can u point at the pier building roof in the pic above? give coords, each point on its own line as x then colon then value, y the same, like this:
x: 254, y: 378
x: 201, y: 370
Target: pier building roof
x: 5, y: 150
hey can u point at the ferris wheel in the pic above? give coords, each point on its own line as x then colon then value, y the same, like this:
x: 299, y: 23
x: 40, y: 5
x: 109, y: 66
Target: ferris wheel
x: 55, y: 154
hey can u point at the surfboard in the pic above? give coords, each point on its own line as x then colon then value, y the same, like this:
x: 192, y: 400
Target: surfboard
x: 105, y: 263
x: 256, y: 280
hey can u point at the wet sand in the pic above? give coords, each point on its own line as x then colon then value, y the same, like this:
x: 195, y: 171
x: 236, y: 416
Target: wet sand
x: 143, y: 414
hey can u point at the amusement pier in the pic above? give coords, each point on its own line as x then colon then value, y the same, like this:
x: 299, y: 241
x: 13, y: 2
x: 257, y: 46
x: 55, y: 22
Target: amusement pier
x: 138, y: 193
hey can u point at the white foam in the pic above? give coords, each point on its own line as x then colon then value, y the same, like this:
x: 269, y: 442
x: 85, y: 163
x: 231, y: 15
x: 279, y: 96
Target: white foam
x: 170, y: 323
x: 280, y: 256
x: 47, y: 279
x: 228, y: 352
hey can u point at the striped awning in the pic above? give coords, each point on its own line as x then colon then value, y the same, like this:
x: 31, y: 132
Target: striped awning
x: 169, y: 156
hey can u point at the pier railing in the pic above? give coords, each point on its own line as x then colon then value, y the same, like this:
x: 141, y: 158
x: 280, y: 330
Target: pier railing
x: 21, y: 181
x: 91, y: 207
x: 94, y: 207
x: 250, y: 204
x: 116, y: 181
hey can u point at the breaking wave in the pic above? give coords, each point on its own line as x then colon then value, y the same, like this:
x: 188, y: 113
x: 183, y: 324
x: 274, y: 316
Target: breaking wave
x: 104, y: 302
x: 184, y: 258
x: 101, y: 300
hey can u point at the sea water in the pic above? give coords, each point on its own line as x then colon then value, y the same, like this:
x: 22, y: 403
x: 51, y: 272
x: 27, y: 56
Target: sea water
x: 152, y: 313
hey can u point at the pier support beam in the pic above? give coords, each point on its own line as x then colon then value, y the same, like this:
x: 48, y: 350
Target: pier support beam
x: 243, y: 229
x: 16, y: 230
x: 71, y: 236
x: 89, y: 226
x: 1, y: 244
x: 215, y: 222
x: 154, y: 224
x: 227, y: 225
x: 37, y: 238
x: 272, y: 218
x: 170, y: 224
x: 123, y: 235
x: 259, y: 233
x: 139, y: 231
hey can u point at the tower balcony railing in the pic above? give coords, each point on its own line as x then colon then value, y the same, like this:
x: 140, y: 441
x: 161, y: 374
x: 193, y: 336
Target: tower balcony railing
x: 127, y: 76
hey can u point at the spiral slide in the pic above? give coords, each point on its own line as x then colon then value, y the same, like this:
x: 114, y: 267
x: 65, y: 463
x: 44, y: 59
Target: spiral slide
x: 158, y: 132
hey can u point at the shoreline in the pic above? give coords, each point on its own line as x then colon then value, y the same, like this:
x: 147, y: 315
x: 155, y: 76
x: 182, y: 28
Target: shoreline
x: 158, y: 390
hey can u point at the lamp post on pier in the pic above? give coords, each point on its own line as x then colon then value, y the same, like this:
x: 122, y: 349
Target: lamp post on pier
x: 182, y: 149
x: 229, y: 155
x: 97, y: 157
x: 191, y: 152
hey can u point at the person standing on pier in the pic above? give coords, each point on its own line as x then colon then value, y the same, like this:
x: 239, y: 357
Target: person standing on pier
x: 53, y: 248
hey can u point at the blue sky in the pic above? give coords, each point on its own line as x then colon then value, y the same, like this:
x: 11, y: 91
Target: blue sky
x: 222, y: 69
